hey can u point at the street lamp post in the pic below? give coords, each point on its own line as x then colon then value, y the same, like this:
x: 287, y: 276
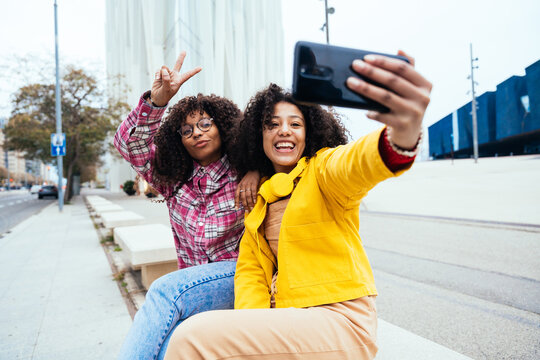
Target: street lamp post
x: 6, y: 154
x: 58, y: 111
x: 473, y: 104
x: 325, y: 26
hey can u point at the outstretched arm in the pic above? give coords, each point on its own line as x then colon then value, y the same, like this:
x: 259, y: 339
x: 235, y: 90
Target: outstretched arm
x: 407, y: 97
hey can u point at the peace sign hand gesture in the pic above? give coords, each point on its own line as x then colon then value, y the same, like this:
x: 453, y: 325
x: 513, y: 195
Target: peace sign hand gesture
x: 167, y: 83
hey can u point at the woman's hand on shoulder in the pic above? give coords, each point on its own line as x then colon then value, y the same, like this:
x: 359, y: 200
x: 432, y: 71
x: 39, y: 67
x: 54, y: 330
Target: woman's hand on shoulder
x: 407, y: 100
x: 167, y: 83
x: 246, y: 191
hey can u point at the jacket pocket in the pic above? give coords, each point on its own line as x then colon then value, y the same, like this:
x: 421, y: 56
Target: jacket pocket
x: 315, y: 254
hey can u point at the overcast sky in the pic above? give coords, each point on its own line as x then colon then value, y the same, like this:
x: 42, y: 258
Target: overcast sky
x: 504, y: 35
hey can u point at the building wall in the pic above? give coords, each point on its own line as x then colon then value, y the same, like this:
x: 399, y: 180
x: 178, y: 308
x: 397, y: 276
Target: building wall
x: 440, y: 136
x: 486, y: 118
x: 532, y: 78
x: 508, y: 119
x: 238, y: 43
x: 465, y: 126
x: 510, y: 113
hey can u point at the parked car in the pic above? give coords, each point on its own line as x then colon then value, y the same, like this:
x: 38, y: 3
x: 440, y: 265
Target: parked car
x: 48, y: 190
x: 34, y: 189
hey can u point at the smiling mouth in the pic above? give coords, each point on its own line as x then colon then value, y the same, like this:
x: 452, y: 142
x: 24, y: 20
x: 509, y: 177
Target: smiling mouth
x: 284, y: 146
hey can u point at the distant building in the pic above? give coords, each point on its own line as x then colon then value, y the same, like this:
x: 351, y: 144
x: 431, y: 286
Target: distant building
x: 15, y: 163
x: 239, y: 44
x: 508, y: 121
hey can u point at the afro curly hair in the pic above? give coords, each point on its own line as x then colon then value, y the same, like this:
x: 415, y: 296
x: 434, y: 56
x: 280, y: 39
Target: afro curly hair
x: 172, y: 165
x: 323, y: 129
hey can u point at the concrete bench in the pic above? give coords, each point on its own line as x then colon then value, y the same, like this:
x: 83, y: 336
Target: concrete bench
x: 149, y: 248
x: 94, y: 197
x: 116, y: 219
x: 102, y: 208
x: 94, y: 201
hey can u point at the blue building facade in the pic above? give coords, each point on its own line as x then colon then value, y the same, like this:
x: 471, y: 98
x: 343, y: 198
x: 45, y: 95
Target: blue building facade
x: 441, y: 136
x: 532, y: 79
x: 508, y: 121
x: 510, y: 110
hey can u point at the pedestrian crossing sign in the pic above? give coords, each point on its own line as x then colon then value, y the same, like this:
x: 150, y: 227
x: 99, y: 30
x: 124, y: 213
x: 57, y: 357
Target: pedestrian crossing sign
x: 58, y: 144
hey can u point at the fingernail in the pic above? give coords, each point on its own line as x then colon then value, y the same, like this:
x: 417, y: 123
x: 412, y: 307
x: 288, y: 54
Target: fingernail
x: 359, y: 64
x: 369, y: 58
x: 352, y: 81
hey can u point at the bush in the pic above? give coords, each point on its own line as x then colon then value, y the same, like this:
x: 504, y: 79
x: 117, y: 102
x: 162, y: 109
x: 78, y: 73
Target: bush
x: 151, y: 192
x: 129, y: 187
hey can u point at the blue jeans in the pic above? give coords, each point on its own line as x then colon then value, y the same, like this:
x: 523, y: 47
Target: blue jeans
x: 173, y: 298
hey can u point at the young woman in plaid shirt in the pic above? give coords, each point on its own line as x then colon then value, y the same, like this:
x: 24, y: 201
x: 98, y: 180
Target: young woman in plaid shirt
x: 185, y: 158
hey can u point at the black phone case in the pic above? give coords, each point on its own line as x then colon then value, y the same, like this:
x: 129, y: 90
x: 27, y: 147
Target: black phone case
x: 320, y: 74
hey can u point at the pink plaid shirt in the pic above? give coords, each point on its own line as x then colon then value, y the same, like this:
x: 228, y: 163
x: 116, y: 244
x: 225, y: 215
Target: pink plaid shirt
x: 205, y: 224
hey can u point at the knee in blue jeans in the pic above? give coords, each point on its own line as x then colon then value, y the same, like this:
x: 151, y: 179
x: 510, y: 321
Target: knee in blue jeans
x: 195, y: 284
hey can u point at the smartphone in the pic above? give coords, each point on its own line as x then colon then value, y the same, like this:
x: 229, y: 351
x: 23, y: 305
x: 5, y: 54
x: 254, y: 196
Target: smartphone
x: 321, y: 71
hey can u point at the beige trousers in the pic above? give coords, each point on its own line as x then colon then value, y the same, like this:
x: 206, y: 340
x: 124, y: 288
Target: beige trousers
x: 345, y: 330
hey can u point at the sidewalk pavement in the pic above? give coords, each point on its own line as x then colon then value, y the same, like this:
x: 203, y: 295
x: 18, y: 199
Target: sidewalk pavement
x: 59, y: 300
x: 57, y: 295
x: 503, y: 189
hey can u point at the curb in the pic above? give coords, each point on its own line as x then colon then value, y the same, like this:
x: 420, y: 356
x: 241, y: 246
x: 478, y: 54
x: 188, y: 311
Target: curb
x: 127, y: 280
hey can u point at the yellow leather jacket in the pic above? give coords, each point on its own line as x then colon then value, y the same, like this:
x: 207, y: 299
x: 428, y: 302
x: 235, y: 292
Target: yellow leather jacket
x: 321, y: 257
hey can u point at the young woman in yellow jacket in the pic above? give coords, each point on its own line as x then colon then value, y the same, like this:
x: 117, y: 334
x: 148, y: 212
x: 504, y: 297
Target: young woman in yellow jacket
x: 304, y: 288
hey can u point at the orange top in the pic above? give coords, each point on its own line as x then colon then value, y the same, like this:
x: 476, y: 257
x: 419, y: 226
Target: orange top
x: 272, y: 223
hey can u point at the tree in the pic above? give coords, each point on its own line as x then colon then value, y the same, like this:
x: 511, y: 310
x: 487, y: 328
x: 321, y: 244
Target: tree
x: 88, y: 119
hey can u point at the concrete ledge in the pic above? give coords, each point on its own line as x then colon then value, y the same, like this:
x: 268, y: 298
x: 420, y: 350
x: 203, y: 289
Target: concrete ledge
x: 98, y: 203
x: 397, y: 343
x: 151, y: 243
x: 149, y: 248
x: 94, y: 197
x: 94, y: 201
x: 102, y: 208
x: 116, y: 219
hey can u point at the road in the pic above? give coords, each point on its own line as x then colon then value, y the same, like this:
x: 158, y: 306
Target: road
x: 17, y: 205
x: 472, y: 287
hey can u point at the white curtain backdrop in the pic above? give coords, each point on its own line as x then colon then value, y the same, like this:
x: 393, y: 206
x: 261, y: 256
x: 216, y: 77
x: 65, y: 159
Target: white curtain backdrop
x: 239, y: 44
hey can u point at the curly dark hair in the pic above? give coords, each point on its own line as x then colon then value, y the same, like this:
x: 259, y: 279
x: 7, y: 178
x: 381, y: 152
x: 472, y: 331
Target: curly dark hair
x: 323, y: 129
x: 172, y: 164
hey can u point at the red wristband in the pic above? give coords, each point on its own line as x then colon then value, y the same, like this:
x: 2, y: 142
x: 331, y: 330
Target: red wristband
x: 393, y: 161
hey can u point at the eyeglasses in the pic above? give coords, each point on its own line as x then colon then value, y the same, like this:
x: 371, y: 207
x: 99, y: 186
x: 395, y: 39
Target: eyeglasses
x: 204, y: 124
